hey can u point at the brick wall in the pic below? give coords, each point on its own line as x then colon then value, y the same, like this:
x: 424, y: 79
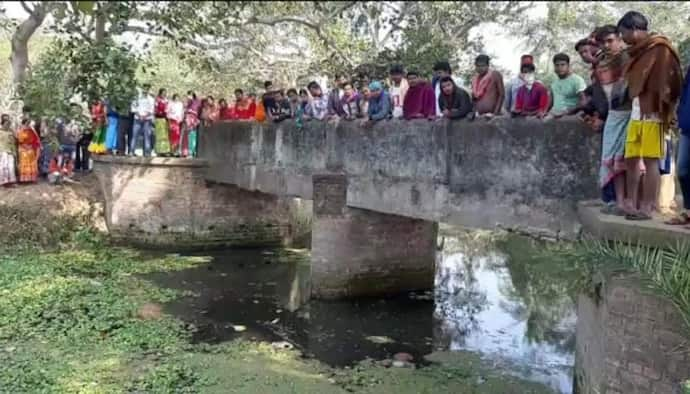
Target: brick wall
x: 630, y: 342
x: 167, y: 202
x: 359, y: 252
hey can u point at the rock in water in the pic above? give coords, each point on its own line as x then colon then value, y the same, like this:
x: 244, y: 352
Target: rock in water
x: 404, y: 357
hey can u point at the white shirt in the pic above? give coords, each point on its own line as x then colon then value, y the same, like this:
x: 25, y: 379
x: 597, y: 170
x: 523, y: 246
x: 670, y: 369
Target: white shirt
x: 144, y: 107
x: 396, y: 101
x: 176, y: 111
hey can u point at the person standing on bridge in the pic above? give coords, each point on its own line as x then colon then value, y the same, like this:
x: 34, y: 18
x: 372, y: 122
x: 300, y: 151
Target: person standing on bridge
x: 281, y: 107
x: 175, y: 115
x: 455, y: 103
x: 161, y: 124
x: 532, y: 98
x: 335, y: 97
x: 568, y: 89
x: 654, y: 81
x: 442, y: 69
x: 420, y: 101
x: 379, y: 107
x: 398, y: 90
x: 98, y: 123
x: 487, y: 88
x: 143, y: 121
x: 318, y: 106
x: 609, y: 79
x: 516, y: 83
x: 245, y: 108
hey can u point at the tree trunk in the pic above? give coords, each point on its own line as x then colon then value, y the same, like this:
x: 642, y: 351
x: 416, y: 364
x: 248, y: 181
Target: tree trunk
x: 20, y: 43
x: 101, y: 19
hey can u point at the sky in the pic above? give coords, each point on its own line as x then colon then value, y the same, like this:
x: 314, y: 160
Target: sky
x: 505, y: 48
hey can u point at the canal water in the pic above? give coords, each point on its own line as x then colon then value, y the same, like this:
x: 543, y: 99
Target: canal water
x: 499, y: 298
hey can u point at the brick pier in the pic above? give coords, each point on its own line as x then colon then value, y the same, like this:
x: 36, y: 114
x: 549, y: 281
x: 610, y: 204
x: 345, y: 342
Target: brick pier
x: 357, y: 252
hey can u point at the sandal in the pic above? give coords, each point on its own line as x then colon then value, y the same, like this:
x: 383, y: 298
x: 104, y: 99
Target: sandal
x: 681, y: 220
x: 616, y: 211
x: 637, y: 216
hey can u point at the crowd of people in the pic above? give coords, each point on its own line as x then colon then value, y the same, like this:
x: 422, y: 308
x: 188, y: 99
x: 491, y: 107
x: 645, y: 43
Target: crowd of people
x: 631, y: 98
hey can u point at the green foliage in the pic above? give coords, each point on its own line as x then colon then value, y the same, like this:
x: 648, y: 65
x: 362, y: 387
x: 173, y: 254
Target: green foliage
x: 684, y: 52
x: 47, y: 90
x: 71, y: 68
x: 70, y: 321
x: 179, y: 71
x: 664, y: 271
x: 423, y: 48
x: 32, y: 228
x: 102, y: 70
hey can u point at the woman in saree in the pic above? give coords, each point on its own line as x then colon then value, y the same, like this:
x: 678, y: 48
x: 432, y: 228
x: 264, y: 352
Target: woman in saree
x: 191, y: 126
x: 8, y: 153
x: 111, y: 132
x: 209, y: 113
x: 175, y: 113
x: 160, y: 124
x: 29, y: 149
x: 98, y: 115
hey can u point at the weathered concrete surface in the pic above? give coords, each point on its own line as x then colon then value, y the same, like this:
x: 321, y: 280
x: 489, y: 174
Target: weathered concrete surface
x: 356, y: 252
x: 520, y: 173
x: 630, y: 341
x: 166, y: 202
x: 652, y: 233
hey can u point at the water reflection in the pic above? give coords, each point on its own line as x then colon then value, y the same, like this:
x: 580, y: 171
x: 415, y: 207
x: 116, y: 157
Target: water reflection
x: 502, y: 303
x: 490, y: 297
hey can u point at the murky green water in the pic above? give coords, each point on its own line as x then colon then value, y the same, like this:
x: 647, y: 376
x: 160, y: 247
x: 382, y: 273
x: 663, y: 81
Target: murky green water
x: 492, y: 298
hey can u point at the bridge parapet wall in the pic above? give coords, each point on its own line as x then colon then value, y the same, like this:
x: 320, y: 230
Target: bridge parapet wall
x: 522, y: 173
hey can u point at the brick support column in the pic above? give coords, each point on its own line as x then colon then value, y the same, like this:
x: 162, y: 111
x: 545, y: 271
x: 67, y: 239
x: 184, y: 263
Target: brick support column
x: 356, y: 252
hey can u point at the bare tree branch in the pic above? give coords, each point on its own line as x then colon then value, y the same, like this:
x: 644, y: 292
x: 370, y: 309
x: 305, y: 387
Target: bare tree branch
x: 26, y: 7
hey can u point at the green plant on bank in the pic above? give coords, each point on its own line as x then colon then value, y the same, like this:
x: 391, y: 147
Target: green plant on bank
x: 664, y: 271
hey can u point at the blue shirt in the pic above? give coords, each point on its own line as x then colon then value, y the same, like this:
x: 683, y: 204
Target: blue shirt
x: 380, y: 108
x: 683, y: 110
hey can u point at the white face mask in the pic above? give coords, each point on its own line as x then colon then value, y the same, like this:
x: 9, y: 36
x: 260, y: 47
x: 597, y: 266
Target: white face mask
x: 529, y: 79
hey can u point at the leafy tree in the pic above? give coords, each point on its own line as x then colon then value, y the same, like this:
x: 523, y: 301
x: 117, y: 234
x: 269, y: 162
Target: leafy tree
x: 47, y: 90
x: 105, y: 70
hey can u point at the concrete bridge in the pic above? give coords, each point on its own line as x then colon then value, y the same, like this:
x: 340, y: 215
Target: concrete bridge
x: 378, y: 193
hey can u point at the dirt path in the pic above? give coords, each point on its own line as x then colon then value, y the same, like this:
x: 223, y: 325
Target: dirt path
x: 81, y: 197
x: 43, y: 213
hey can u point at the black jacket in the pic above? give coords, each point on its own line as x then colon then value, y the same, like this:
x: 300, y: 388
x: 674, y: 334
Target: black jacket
x: 459, y: 103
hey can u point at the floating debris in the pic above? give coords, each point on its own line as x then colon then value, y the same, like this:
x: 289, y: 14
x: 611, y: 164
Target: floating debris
x: 379, y: 339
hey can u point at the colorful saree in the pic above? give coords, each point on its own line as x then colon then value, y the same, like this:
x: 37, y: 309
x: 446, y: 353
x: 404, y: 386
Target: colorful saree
x: 29, y: 147
x: 160, y: 127
x: 97, y: 145
x: 190, y: 135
